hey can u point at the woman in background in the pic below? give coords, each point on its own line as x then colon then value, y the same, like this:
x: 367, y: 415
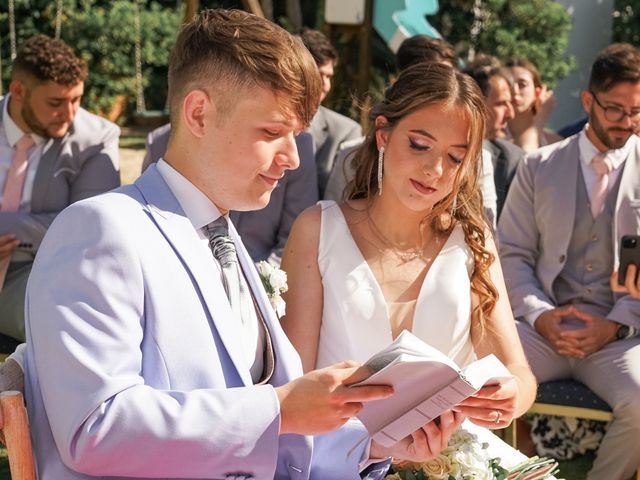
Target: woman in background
x: 533, y: 104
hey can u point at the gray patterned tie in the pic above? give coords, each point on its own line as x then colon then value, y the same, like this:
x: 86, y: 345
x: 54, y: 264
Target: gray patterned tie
x: 234, y: 282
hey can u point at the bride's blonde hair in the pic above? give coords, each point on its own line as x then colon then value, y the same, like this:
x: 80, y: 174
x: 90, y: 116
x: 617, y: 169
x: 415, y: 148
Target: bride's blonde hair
x: 417, y: 87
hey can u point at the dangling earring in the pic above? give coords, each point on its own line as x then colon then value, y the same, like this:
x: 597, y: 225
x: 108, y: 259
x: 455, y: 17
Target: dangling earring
x: 454, y: 204
x: 380, y: 162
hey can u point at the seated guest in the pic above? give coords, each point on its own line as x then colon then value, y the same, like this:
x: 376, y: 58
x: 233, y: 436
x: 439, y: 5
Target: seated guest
x: 495, y: 84
x: 175, y: 365
x: 52, y: 153
x: 423, y: 48
x: 567, y: 209
x: 329, y: 129
x: 532, y: 104
x: 264, y: 232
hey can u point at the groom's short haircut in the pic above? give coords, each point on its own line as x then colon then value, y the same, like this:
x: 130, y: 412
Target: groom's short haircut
x: 226, y: 52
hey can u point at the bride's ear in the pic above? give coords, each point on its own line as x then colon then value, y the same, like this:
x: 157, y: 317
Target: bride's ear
x: 382, y: 131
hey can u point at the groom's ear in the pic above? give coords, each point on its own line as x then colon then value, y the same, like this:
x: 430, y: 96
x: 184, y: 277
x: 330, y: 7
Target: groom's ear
x: 197, y: 110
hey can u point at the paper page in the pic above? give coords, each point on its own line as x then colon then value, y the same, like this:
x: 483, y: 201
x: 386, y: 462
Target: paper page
x: 423, y: 413
x: 488, y: 370
x: 426, y: 383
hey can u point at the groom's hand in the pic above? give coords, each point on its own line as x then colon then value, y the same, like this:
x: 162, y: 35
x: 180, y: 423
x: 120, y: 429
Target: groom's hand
x: 321, y: 401
x: 425, y: 443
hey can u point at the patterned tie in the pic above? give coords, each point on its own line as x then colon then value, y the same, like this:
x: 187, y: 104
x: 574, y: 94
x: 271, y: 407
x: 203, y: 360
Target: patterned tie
x: 12, y: 193
x: 234, y: 282
x: 603, y: 167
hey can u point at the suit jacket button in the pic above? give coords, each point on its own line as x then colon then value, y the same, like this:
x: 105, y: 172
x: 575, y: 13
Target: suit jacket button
x: 562, y: 258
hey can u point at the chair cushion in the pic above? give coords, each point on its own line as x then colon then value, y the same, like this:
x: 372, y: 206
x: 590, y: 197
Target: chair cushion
x: 570, y: 393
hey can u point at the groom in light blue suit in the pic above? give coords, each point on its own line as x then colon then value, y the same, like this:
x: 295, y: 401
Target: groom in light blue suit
x: 160, y: 377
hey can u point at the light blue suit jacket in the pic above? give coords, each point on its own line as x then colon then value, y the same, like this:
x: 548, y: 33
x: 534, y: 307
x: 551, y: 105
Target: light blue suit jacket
x: 134, y: 367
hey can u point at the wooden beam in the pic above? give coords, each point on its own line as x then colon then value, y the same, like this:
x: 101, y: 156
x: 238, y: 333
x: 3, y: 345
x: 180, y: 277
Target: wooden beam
x: 192, y: 7
x: 253, y: 6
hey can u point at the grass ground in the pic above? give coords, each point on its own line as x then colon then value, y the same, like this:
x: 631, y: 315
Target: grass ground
x: 131, y: 155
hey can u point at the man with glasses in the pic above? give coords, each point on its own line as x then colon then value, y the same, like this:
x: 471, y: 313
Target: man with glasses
x: 567, y: 209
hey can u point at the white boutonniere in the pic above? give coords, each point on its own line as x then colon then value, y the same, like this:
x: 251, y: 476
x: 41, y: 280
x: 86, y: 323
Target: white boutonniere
x: 274, y: 282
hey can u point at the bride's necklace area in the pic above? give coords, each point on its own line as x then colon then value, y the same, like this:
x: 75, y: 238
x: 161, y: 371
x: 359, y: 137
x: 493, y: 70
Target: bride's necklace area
x: 404, y: 255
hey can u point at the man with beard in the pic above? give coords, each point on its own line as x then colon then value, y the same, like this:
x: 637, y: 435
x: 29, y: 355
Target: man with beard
x: 501, y: 156
x: 567, y: 209
x: 52, y: 153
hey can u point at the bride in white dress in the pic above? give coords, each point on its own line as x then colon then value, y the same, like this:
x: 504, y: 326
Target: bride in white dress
x: 410, y: 248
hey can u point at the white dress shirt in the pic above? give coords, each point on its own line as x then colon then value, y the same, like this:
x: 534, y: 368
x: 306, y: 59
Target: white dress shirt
x: 201, y: 211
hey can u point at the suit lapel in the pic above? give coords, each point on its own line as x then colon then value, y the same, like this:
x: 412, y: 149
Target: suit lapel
x: 319, y: 128
x: 167, y: 214
x: 558, y: 190
x: 45, y: 172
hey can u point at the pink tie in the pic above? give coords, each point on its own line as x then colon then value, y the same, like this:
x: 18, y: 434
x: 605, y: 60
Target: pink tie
x: 15, y: 178
x: 602, y: 166
x: 13, y: 189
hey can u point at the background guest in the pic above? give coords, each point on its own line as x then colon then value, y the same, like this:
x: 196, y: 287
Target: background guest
x: 533, y: 104
x: 495, y: 83
x: 559, y: 234
x: 329, y: 129
x: 52, y: 154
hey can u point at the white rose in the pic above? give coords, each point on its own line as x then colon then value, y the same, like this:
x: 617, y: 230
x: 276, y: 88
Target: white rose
x: 278, y: 305
x: 278, y: 279
x: 438, y: 468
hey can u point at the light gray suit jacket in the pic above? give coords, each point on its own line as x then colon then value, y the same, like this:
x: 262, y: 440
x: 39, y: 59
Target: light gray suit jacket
x: 330, y: 129
x: 154, y: 383
x: 536, y: 225
x: 79, y: 165
x: 264, y: 232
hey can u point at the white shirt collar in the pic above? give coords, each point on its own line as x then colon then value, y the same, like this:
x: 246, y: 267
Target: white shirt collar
x: 617, y: 156
x: 12, y: 131
x: 196, y: 205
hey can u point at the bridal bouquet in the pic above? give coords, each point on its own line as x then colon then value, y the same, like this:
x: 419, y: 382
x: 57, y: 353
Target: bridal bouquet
x: 274, y: 282
x: 465, y: 458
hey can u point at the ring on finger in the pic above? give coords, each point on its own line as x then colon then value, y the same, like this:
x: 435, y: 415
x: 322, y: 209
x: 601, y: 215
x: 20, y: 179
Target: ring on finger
x: 498, y: 416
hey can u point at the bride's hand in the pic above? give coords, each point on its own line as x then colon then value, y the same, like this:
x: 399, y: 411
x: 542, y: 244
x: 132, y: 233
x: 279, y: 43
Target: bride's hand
x: 424, y: 444
x: 492, y: 406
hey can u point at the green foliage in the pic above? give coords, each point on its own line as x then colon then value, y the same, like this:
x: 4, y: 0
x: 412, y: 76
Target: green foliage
x: 534, y: 29
x: 104, y: 35
x: 626, y: 21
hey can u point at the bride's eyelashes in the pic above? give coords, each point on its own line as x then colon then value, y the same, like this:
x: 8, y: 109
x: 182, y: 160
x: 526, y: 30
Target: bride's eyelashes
x: 415, y: 145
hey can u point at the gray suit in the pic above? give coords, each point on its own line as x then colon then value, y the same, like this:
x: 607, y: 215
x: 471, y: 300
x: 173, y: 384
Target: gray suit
x: 263, y: 232
x: 79, y: 165
x: 330, y: 129
x: 505, y: 157
x: 535, y: 230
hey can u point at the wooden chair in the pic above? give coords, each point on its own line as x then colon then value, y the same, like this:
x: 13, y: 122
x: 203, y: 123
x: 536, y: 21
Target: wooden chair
x: 566, y: 398
x: 14, y: 426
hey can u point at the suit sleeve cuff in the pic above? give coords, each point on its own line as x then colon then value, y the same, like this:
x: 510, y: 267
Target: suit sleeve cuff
x: 531, y: 318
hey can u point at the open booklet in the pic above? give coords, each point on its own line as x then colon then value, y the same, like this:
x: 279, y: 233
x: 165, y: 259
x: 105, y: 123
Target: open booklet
x: 426, y: 383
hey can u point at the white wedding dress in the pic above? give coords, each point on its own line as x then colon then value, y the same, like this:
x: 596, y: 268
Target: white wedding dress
x: 355, y: 319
